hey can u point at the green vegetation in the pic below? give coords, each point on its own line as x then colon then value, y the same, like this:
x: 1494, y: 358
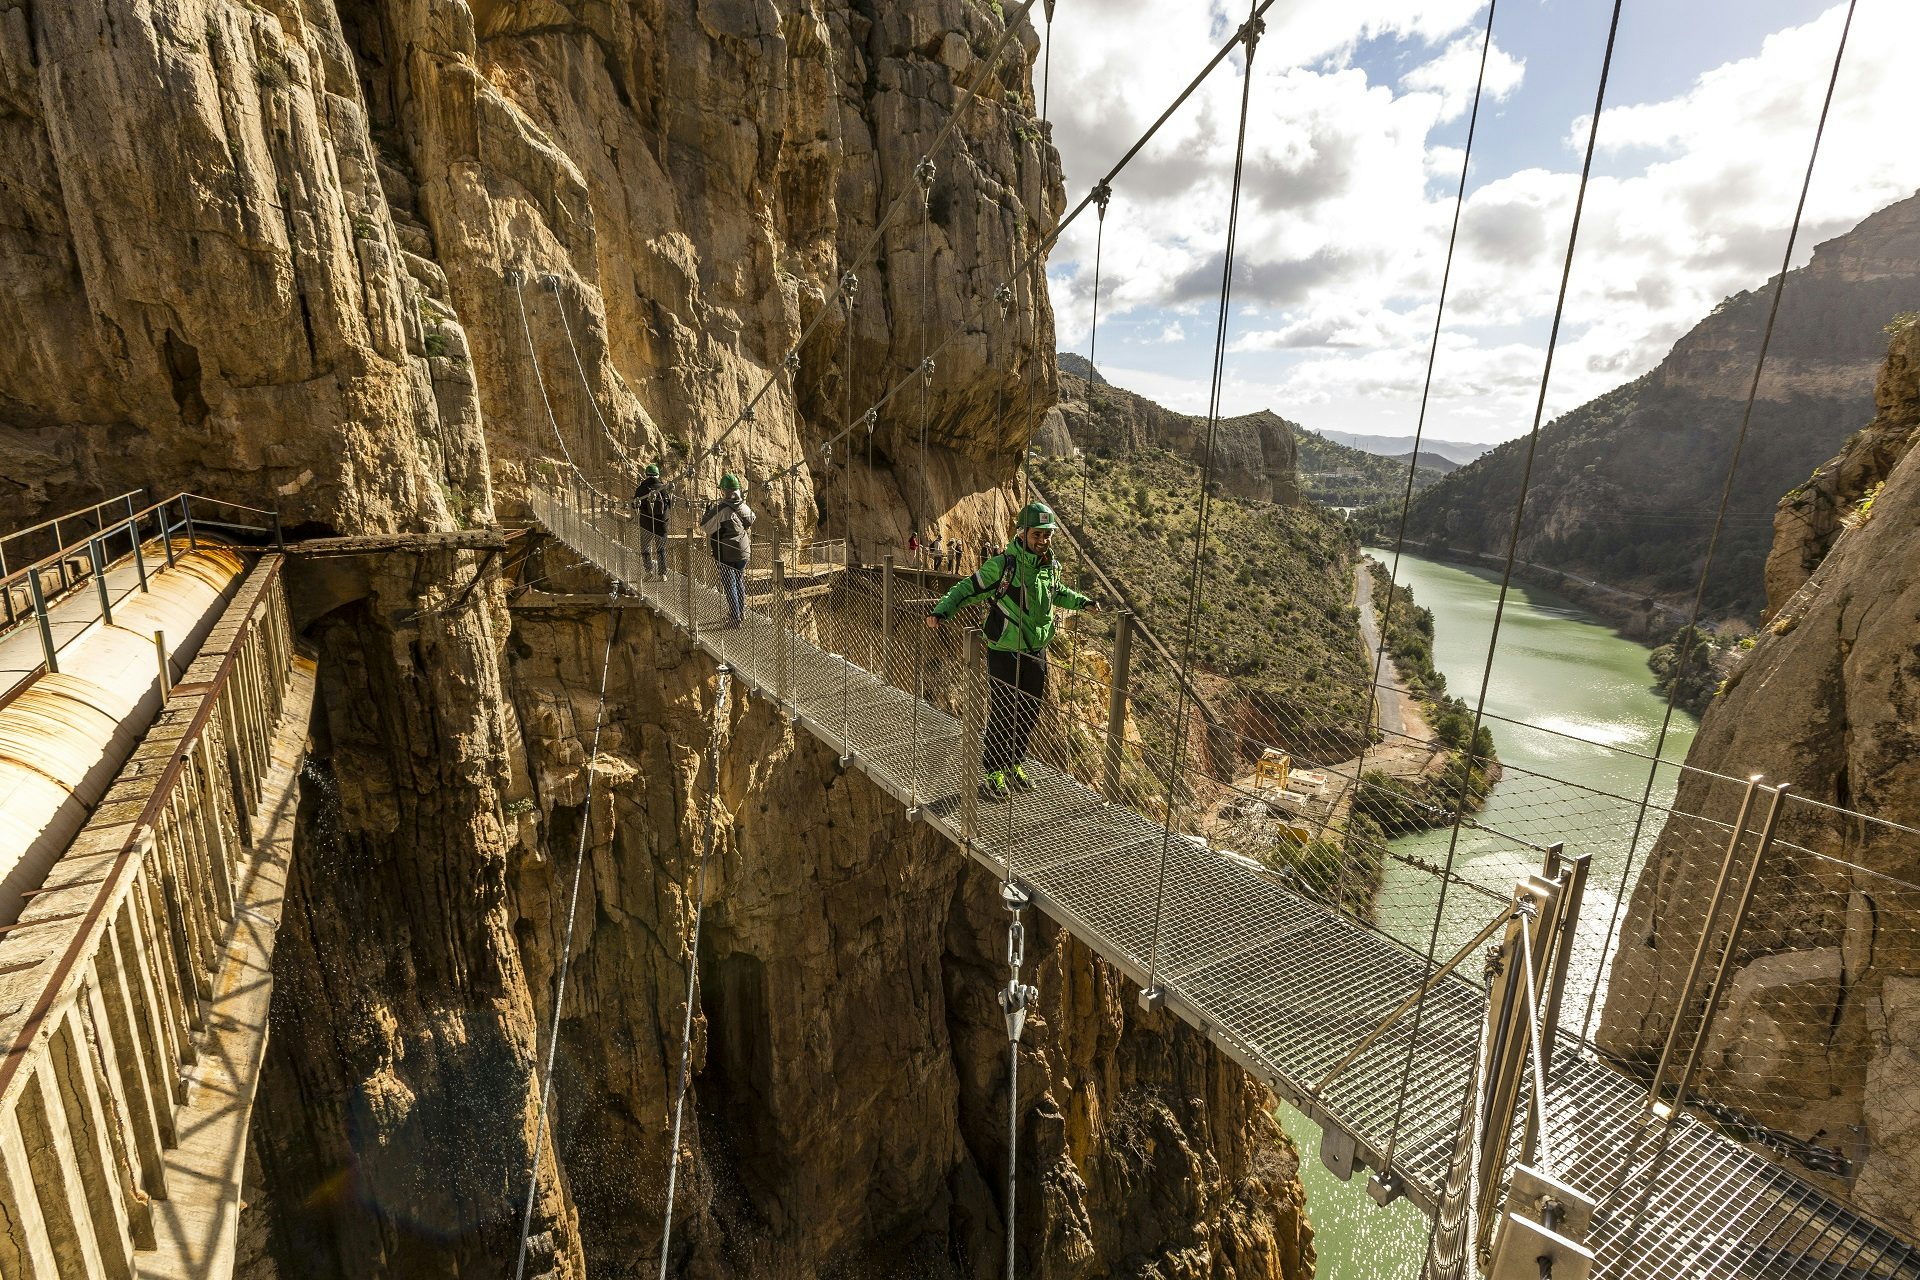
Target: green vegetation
x: 1338, y: 475
x: 1624, y: 489
x: 1701, y: 678
x: 1275, y: 613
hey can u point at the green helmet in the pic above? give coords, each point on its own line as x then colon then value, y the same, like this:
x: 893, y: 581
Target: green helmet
x: 653, y: 469
x: 729, y: 483
x: 1036, y: 515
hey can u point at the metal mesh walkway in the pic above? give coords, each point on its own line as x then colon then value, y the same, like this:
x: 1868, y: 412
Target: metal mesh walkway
x: 1284, y: 985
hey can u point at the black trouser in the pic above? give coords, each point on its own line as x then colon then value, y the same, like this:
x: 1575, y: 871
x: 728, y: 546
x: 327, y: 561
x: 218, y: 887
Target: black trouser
x: 1016, y: 684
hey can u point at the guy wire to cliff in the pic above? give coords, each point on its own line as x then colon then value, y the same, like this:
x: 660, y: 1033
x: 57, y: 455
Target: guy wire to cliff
x: 969, y: 320
x: 879, y: 231
x: 1506, y: 579
x: 1249, y: 34
x: 1426, y: 392
x: 1684, y: 651
x: 566, y: 950
x: 723, y: 683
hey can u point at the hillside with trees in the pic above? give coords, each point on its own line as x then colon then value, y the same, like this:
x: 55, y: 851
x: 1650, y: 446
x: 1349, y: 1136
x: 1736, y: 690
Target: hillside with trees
x: 1625, y: 487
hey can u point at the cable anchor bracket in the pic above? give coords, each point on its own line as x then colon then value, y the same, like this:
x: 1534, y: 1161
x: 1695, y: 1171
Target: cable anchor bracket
x: 1017, y: 996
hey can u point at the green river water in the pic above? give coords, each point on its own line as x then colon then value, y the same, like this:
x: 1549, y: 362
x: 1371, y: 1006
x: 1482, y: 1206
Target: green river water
x: 1564, y: 671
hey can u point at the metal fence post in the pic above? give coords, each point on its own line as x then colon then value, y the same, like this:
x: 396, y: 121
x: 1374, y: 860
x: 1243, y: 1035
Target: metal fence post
x: 166, y: 667
x: 38, y: 599
x: 1685, y: 996
x: 783, y: 658
x: 139, y: 558
x: 186, y: 511
x: 883, y: 666
x: 97, y: 557
x: 1735, y: 928
x: 60, y: 552
x: 978, y: 690
x: 6, y: 588
x: 1117, y: 690
x: 686, y: 587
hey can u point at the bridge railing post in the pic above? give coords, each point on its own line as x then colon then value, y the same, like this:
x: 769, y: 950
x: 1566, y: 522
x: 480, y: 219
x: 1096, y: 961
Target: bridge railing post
x: 686, y: 586
x: 1117, y: 691
x: 783, y: 648
x: 37, y: 601
x: 6, y: 588
x: 97, y: 559
x: 139, y: 557
x: 883, y: 666
x: 976, y: 691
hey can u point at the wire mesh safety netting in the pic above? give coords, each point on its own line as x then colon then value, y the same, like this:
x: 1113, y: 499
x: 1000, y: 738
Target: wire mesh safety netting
x: 1253, y: 864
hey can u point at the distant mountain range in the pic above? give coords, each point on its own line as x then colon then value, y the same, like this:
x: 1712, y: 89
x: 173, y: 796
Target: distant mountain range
x: 1624, y: 488
x: 1454, y: 452
x: 1261, y: 454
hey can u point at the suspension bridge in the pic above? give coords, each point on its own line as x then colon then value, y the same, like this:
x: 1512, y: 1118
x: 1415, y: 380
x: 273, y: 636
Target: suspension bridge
x: 153, y: 704
x: 1309, y: 999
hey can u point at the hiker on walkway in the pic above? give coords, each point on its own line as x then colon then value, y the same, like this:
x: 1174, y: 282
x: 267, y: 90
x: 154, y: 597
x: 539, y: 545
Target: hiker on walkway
x: 913, y: 548
x: 1024, y: 585
x: 727, y: 524
x: 986, y: 550
x: 652, y: 504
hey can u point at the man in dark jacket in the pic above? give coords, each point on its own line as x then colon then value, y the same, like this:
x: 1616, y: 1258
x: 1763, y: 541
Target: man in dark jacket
x: 727, y: 524
x: 1024, y: 586
x: 651, y: 505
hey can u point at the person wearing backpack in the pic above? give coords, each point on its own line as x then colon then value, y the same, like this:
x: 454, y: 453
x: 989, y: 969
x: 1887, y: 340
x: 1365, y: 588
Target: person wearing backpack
x: 652, y: 504
x: 1024, y: 587
x: 728, y: 523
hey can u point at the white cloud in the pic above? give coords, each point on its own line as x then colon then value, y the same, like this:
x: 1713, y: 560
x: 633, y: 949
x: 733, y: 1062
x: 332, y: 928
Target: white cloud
x: 1173, y: 331
x: 1456, y: 71
x: 1349, y: 193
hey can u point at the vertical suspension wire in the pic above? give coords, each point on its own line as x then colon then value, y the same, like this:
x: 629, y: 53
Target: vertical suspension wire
x: 1726, y: 496
x: 851, y: 295
x: 693, y: 956
x: 566, y: 950
x: 1250, y: 36
x: 1426, y: 394
x: 1506, y: 582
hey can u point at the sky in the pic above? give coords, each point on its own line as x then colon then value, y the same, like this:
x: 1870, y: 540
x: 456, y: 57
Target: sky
x: 1358, y: 118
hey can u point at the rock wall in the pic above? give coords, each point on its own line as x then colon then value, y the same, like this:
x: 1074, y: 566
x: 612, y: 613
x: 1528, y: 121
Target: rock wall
x: 1623, y: 488
x: 1819, y: 1035
x: 1256, y: 455
x: 262, y: 250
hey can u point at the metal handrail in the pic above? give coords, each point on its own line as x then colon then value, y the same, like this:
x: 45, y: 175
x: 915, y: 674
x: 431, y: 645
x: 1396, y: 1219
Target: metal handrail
x: 85, y: 939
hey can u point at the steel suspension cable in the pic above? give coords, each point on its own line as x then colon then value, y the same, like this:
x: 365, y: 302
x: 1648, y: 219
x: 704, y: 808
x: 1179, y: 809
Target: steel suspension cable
x: 693, y: 954
x: 1506, y: 579
x: 1250, y: 35
x: 865, y: 253
x: 566, y: 951
x: 1047, y: 242
x: 1688, y: 632
x: 1426, y: 394
x: 593, y: 401
x: 517, y: 280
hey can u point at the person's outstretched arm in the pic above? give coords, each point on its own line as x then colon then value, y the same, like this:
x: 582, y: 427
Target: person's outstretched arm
x: 969, y: 589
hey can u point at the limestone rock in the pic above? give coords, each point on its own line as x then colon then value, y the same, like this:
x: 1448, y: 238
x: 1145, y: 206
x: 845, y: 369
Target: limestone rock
x: 1829, y: 700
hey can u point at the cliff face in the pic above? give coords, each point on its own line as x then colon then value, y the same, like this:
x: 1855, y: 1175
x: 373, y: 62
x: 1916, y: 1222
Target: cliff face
x: 1820, y: 1034
x: 1255, y: 455
x: 259, y: 250
x: 1625, y: 487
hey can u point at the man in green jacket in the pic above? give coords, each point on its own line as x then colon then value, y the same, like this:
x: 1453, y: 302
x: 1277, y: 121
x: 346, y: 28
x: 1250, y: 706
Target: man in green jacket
x: 1023, y: 587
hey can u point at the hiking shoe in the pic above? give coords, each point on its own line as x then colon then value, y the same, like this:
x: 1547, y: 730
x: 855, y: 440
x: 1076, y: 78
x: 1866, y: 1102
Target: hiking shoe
x: 994, y: 786
x: 1021, y: 781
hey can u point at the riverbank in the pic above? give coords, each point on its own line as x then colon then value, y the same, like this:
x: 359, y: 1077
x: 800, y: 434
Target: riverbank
x: 1634, y: 615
